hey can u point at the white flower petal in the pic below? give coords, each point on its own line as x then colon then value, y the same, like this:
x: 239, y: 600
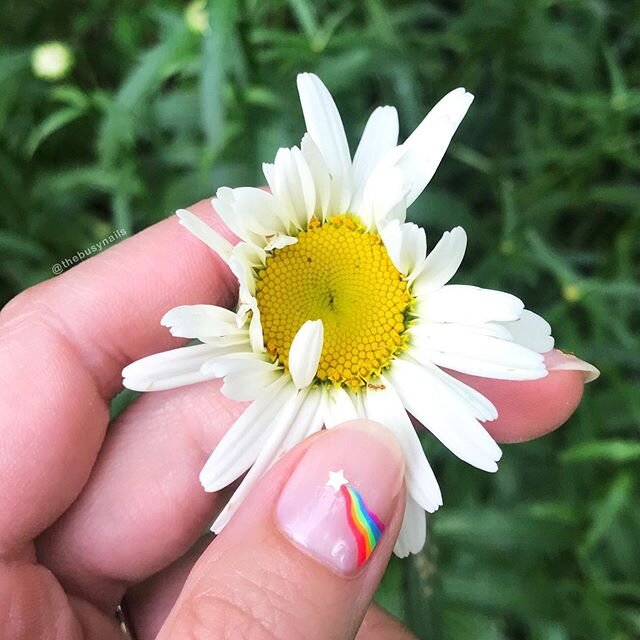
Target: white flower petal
x: 384, y: 198
x: 463, y: 350
x: 413, y: 532
x: 379, y: 137
x: 252, y: 214
x: 497, y: 369
x: 439, y: 409
x: 246, y: 375
x: 235, y: 363
x: 531, y: 331
x: 245, y: 274
x: 320, y: 174
x: 469, y: 305
x: 256, y: 337
x: 242, y: 443
x: 258, y: 210
x: 199, y: 321
x: 239, y: 340
x: 307, y: 421
x: 482, y: 368
x: 250, y: 385
x: 339, y: 408
x: 249, y: 254
x: 170, y: 369
x: 271, y: 449
x: 269, y: 171
x: 426, y: 146
x: 385, y: 406
x: 359, y: 404
x: 442, y: 262
x: 244, y: 308
x: 292, y: 183
x: 278, y: 242
x: 225, y: 206
x: 406, y: 244
x: 481, y: 407
x: 246, y: 259
x: 325, y: 127
x: 305, y: 352
x: 205, y: 233
x: 307, y: 194
x: 422, y: 332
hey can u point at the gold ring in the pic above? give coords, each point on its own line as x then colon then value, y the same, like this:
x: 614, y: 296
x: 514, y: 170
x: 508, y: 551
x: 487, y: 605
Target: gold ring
x: 124, y: 619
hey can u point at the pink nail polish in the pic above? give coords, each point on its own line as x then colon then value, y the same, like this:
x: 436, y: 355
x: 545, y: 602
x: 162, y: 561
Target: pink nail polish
x: 338, y: 501
x: 557, y: 360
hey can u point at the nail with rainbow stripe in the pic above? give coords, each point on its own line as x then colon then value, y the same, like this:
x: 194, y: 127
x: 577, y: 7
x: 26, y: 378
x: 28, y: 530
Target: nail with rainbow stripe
x: 337, y: 504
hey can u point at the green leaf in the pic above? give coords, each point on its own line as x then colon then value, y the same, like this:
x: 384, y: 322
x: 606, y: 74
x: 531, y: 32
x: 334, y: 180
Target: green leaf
x: 18, y: 245
x: 221, y: 56
x: 50, y: 125
x: 617, y: 451
x: 389, y: 594
x: 423, y: 594
x: 117, y: 131
x: 461, y: 624
x: 121, y: 401
x: 71, y: 95
x: 606, y: 512
x: 306, y: 15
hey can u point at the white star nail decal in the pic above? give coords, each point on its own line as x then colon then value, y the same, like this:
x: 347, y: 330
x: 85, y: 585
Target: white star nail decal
x: 336, y: 480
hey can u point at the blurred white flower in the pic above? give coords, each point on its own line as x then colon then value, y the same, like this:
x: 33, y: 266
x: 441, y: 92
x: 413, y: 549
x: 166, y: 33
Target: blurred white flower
x: 51, y: 61
x: 196, y: 16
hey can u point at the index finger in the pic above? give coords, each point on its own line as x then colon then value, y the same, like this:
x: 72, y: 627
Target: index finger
x: 63, y: 344
x: 108, y: 308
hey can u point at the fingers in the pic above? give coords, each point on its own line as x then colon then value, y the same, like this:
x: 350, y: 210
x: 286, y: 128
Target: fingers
x: 304, y: 553
x: 143, y: 506
x: 62, y: 347
x: 108, y: 308
x: 53, y: 421
x: 528, y: 409
x: 150, y: 602
x: 148, y: 471
x: 380, y: 625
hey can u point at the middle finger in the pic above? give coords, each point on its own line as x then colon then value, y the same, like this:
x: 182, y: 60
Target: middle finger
x: 143, y: 506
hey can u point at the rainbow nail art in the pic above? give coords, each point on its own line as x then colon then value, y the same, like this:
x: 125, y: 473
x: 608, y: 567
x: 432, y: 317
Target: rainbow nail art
x: 364, y: 524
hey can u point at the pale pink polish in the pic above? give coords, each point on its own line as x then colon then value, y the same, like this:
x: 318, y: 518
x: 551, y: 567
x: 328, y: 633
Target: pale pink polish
x: 557, y: 360
x: 314, y: 507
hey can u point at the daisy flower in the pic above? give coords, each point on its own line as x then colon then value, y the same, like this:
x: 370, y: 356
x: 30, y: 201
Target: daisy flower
x: 342, y: 313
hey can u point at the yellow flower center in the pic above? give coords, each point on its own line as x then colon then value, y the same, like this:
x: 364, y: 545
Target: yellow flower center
x: 341, y: 274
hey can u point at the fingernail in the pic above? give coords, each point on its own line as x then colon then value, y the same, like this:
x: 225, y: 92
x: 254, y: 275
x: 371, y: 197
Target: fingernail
x: 340, y: 497
x: 557, y: 360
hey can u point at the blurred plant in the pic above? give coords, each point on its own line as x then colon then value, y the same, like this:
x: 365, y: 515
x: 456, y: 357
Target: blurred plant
x: 543, y: 174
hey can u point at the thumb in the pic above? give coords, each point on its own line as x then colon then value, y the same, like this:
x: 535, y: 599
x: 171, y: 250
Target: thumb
x: 303, y: 555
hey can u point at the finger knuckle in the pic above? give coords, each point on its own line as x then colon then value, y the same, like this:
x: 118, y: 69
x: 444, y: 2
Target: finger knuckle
x: 262, y: 606
x: 22, y: 304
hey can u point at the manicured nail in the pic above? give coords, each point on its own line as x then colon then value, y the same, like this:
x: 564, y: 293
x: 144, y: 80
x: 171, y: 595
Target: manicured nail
x: 340, y: 497
x: 557, y: 360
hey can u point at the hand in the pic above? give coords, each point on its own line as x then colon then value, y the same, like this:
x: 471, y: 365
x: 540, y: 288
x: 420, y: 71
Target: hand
x: 88, y: 515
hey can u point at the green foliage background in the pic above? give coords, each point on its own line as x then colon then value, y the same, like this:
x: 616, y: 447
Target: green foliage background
x: 543, y: 174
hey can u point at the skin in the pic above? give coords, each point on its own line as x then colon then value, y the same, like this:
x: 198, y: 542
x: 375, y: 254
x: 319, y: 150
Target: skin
x: 88, y: 514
